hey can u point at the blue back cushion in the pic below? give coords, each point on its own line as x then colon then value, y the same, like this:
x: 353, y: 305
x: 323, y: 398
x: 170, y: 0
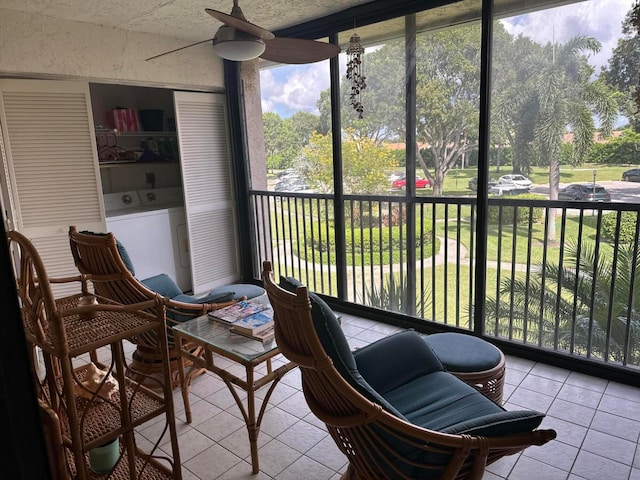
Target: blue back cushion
x: 162, y: 284
x: 126, y: 259
x: 336, y: 346
x: 121, y: 250
x: 406, y: 357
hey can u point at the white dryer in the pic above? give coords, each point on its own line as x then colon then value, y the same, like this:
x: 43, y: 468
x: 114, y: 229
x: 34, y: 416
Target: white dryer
x: 152, y: 226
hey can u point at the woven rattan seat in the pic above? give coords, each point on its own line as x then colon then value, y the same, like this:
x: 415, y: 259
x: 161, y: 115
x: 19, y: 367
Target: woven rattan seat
x: 380, y: 442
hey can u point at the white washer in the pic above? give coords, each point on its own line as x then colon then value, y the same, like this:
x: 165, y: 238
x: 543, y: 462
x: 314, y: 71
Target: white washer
x: 153, y: 230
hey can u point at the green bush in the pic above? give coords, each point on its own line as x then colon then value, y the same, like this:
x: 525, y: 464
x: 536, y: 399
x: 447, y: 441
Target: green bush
x: 617, y: 151
x: 628, y: 222
x: 523, y: 212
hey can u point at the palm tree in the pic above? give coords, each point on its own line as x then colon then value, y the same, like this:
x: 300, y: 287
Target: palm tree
x: 392, y: 295
x: 568, y: 101
x: 548, y: 92
x: 590, y: 305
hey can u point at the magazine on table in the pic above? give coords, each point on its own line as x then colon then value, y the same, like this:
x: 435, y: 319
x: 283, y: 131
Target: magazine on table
x: 237, y: 311
x: 255, y: 323
x: 264, y: 336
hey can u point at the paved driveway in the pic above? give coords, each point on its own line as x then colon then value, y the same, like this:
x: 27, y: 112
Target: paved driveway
x: 623, y: 192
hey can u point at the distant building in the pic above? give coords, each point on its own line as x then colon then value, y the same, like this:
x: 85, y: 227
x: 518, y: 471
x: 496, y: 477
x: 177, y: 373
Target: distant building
x: 568, y: 137
x: 401, y: 146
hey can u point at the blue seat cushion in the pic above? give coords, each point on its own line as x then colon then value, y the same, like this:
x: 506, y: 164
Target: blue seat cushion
x: 239, y: 290
x: 441, y: 402
x: 463, y: 353
x: 210, y: 297
x: 499, y: 424
x: 165, y: 286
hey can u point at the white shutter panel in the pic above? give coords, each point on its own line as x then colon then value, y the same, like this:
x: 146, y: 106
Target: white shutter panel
x: 51, y: 166
x: 206, y: 175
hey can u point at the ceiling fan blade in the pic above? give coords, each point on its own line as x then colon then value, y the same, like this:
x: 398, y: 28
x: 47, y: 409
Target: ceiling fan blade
x: 177, y: 49
x: 298, y: 50
x: 240, y: 23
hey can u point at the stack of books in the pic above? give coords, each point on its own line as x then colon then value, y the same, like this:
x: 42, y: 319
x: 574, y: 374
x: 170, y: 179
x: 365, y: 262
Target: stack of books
x: 253, y: 320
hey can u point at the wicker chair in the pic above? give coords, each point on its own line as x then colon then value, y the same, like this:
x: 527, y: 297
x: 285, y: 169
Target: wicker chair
x: 99, y: 260
x: 384, y: 435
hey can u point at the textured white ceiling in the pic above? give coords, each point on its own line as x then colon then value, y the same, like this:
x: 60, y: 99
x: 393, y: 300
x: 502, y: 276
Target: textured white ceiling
x: 184, y: 19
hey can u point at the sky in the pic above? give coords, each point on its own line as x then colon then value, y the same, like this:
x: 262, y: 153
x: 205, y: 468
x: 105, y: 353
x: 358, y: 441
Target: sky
x: 292, y: 88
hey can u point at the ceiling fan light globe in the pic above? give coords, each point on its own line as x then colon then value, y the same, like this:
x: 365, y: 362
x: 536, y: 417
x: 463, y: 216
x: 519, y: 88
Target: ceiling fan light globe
x: 232, y: 44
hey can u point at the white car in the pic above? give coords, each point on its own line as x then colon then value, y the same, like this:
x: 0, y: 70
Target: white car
x: 515, y: 180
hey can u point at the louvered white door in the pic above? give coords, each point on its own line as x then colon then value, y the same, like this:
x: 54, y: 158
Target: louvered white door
x: 206, y: 176
x: 50, y: 177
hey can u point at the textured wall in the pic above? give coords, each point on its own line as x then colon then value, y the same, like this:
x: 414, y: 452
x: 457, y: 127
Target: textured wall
x: 36, y: 45
x: 255, y: 127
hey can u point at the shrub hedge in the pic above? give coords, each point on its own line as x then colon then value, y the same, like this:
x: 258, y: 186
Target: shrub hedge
x: 628, y: 222
x: 364, y: 246
x: 523, y: 212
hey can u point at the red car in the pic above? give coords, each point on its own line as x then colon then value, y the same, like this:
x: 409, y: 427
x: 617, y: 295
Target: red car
x: 401, y: 183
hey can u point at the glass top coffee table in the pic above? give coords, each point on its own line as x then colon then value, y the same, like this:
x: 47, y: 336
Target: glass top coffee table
x: 210, y: 337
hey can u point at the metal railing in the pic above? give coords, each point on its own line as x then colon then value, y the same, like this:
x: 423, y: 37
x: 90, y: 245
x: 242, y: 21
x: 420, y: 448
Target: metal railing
x: 571, y: 286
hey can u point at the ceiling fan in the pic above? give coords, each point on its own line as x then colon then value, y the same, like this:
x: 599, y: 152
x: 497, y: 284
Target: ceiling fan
x: 238, y: 39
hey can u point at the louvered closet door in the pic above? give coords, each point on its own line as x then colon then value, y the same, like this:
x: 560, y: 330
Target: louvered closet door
x: 50, y: 177
x: 206, y: 175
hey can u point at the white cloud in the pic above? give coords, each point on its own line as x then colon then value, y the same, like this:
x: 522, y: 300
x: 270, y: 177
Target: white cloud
x: 601, y: 19
x: 289, y: 89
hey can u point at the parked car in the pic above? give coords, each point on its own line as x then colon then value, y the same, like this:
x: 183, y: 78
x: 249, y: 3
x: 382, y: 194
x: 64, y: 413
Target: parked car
x: 632, y: 175
x: 401, y: 183
x: 515, y: 180
x: 396, y: 176
x: 584, y: 192
x: 499, y: 189
x: 291, y: 184
x: 473, y: 183
x: 286, y: 173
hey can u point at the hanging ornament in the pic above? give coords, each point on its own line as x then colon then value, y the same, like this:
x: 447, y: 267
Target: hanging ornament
x: 355, y: 73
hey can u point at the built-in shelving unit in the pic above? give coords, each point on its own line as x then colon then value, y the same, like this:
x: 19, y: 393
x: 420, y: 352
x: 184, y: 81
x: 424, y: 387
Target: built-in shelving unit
x: 75, y: 333
x: 121, y: 148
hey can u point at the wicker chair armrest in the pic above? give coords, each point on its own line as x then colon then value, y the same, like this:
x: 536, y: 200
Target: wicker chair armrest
x: 73, y: 278
x: 146, y: 306
x: 199, y: 307
x: 178, y: 312
x: 404, y: 430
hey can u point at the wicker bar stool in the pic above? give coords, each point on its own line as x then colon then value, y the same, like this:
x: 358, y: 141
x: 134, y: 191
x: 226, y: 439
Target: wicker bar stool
x: 473, y: 360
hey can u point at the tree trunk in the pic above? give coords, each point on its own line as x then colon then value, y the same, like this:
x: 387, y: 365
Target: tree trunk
x: 554, y: 183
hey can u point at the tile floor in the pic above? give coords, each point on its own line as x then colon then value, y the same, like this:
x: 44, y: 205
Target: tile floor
x: 598, y: 425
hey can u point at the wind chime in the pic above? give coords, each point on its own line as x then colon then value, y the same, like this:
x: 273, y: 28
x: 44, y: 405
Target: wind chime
x: 355, y: 73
